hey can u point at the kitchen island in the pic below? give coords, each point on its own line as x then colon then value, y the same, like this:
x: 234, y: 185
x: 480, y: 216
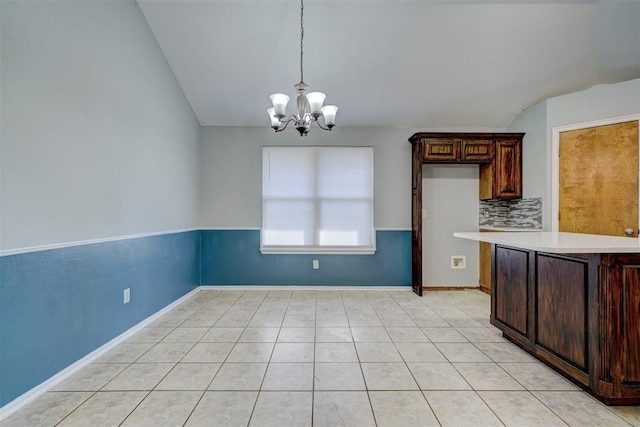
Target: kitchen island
x: 573, y: 301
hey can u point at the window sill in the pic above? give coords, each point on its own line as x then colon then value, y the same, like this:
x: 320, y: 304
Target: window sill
x: 316, y: 251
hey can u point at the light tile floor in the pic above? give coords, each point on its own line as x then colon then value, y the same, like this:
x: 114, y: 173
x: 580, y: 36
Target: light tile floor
x: 322, y: 358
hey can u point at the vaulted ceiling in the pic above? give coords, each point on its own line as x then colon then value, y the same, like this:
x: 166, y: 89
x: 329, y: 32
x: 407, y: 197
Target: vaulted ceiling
x: 397, y: 63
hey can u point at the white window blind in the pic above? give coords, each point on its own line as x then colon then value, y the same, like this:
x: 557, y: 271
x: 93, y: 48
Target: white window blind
x: 317, y: 199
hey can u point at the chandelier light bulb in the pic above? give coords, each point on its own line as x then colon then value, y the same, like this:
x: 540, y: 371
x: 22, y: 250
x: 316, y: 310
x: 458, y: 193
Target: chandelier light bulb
x: 280, y: 101
x: 315, y: 102
x: 329, y: 113
x: 275, y: 122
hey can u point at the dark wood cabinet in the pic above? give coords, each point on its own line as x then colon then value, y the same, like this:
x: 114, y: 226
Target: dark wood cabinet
x: 578, y: 313
x: 484, y: 263
x: 502, y: 178
x: 510, y: 291
x: 561, y: 309
x: 484, y: 267
x: 457, y: 150
x: 499, y: 157
x: 630, y: 312
x: 440, y: 150
x: 619, y: 324
x: 476, y: 151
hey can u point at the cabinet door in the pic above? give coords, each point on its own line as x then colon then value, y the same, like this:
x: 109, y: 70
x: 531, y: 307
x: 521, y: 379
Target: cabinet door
x: 502, y: 178
x: 440, y: 150
x: 476, y: 151
x: 507, y: 180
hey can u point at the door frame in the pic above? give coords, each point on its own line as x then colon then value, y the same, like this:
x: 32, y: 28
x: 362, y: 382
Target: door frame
x: 555, y: 158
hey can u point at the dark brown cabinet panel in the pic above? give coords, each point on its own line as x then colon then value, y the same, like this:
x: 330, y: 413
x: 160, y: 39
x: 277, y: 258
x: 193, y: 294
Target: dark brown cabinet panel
x: 562, y: 308
x: 508, y: 174
x: 511, y: 285
x: 476, y: 151
x: 484, y: 267
x: 440, y: 150
x: 502, y: 178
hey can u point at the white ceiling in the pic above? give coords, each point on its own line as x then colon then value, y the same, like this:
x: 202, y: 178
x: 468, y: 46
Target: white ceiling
x: 397, y: 63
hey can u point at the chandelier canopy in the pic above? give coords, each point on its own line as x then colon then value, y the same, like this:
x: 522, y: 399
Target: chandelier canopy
x: 310, y: 107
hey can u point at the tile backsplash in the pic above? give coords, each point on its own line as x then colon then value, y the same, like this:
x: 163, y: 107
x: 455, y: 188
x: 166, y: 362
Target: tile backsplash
x: 522, y: 213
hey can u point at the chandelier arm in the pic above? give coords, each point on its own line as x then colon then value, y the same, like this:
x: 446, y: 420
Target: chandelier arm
x: 320, y: 125
x: 280, y: 129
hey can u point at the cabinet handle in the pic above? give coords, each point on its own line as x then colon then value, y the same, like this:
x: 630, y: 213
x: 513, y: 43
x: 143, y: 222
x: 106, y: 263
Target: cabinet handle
x: 629, y: 231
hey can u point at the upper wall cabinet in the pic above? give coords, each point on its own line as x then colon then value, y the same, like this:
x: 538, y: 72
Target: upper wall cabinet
x: 456, y: 150
x: 498, y: 154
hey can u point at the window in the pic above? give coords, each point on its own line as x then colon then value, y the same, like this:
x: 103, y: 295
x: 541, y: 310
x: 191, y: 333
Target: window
x: 317, y: 200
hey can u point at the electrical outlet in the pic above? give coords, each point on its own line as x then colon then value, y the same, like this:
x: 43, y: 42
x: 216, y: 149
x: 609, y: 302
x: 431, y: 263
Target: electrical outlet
x: 316, y: 264
x: 126, y: 296
x: 458, y: 262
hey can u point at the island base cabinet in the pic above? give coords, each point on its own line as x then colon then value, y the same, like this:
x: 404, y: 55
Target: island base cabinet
x: 578, y: 313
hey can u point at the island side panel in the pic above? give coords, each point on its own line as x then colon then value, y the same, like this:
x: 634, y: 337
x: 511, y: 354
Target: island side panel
x: 510, y: 290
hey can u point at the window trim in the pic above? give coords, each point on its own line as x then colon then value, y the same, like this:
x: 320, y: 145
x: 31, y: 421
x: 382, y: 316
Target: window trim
x: 318, y: 250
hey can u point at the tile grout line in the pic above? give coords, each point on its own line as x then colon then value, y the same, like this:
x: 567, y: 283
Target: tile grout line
x: 260, y: 391
x: 204, y: 392
x: 364, y: 379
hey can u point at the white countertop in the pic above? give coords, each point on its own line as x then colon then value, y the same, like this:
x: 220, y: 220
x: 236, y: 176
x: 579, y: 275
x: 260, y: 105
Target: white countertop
x: 556, y: 242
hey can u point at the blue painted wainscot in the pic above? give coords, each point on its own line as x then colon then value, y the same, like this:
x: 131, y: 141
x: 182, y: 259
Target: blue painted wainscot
x: 232, y: 257
x: 58, y: 305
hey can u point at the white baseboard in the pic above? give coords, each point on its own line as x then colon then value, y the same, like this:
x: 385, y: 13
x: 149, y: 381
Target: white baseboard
x: 47, y: 385
x: 305, y: 288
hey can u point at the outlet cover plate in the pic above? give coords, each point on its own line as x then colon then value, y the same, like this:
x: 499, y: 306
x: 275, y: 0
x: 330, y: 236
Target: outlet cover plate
x: 126, y: 296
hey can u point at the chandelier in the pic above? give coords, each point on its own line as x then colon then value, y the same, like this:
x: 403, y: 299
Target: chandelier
x: 310, y: 107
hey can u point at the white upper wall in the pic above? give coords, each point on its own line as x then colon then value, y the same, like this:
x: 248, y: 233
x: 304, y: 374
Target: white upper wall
x: 534, y: 153
x: 97, y: 138
x: 231, y: 171
x: 596, y: 103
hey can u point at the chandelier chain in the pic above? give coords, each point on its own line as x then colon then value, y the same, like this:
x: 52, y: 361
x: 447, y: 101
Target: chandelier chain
x: 301, y: 38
